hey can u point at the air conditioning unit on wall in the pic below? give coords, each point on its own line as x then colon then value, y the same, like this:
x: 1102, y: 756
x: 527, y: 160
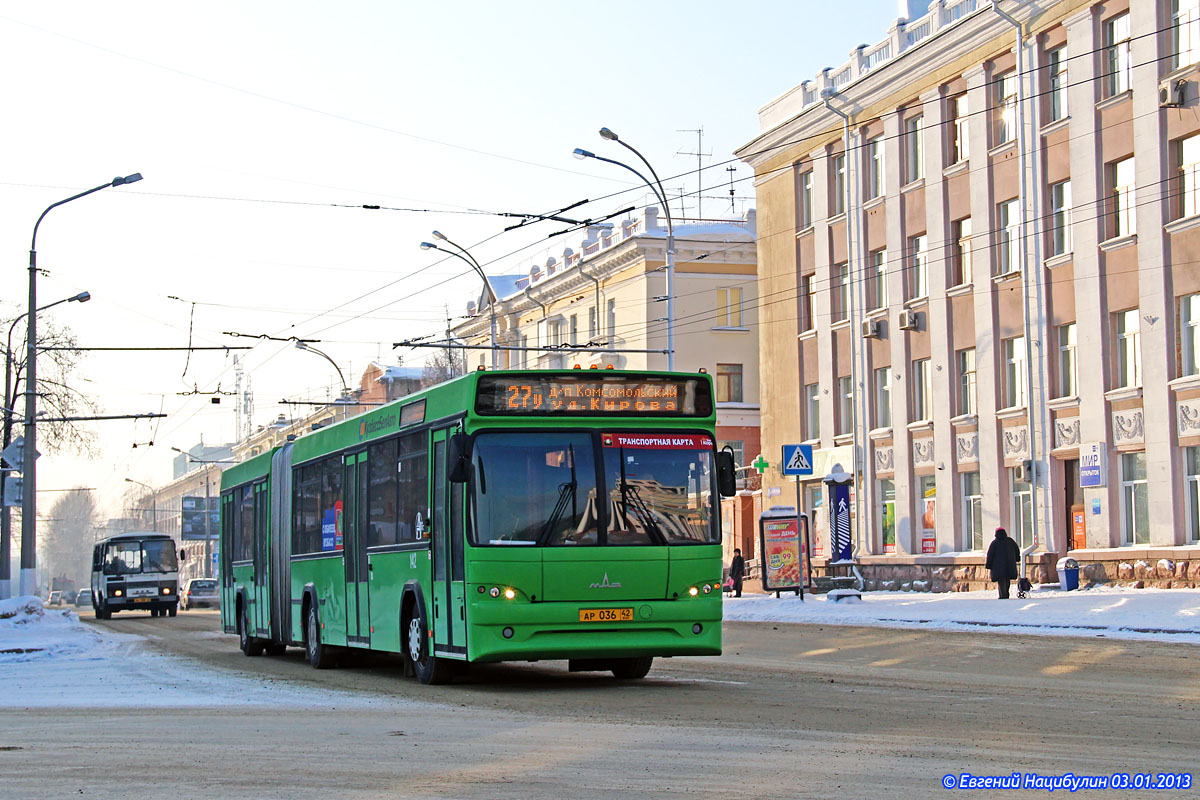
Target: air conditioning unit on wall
x: 870, y: 328
x: 909, y: 320
x: 1172, y: 93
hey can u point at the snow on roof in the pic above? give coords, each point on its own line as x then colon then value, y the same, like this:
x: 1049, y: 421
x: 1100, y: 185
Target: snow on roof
x: 393, y: 372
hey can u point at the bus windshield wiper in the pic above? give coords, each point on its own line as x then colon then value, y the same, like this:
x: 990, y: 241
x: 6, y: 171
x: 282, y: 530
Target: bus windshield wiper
x: 566, y: 491
x: 631, y: 496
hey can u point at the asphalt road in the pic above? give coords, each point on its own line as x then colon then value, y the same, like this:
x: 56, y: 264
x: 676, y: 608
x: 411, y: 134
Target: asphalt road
x: 788, y: 711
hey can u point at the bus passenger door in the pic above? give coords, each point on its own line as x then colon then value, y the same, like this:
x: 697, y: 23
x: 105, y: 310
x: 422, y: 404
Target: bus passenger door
x: 449, y: 589
x: 261, y: 618
x: 354, y: 548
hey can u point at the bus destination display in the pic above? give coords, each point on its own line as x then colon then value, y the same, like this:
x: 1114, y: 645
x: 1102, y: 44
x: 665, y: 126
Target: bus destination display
x: 594, y: 396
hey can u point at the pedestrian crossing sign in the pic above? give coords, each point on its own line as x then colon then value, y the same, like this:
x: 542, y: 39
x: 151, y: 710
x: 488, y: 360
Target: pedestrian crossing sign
x: 797, y: 459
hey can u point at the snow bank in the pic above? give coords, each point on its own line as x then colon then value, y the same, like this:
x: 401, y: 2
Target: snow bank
x: 1171, y: 615
x: 51, y: 659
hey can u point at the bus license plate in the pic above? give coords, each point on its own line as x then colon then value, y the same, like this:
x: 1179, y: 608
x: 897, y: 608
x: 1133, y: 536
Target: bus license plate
x: 141, y: 599
x: 606, y: 615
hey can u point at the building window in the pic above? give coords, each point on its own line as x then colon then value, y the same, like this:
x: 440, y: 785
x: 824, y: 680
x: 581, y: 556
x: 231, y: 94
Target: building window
x: 806, y: 302
x: 966, y: 381
x: 877, y: 274
x: 729, y: 383
x: 1189, y: 334
x: 972, y: 495
x: 812, y: 412
x: 959, y: 146
x: 1068, y: 385
x: 1006, y: 107
x: 574, y: 329
x: 1060, y: 218
x: 612, y: 323
x: 883, y: 397
x: 922, y: 396
x: 1189, y: 165
x: 729, y: 308
x: 845, y: 415
x: 592, y: 320
x: 1008, y: 237
x: 927, y: 512
x: 1129, y: 348
x: 841, y: 292
x: 960, y: 231
x: 1191, y: 489
x: 1014, y: 372
x: 1057, y: 83
x: 838, y: 182
x: 1135, y: 513
x: 1185, y: 32
x: 1121, y: 198
x: 914, y: 150
x: 1118, y: 63
x: 918, y: 267
x: 1021, y: 527
x: 887, y: 517
x: 876, y: 186
x: 805, y: 200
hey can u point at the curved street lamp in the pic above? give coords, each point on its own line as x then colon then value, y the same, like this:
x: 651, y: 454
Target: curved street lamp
x: 10, y: 401
x: 29, y: 499
x: 465, y: 255
x: 657, y: 188
x: 302, y: 345
x: 153, y: 502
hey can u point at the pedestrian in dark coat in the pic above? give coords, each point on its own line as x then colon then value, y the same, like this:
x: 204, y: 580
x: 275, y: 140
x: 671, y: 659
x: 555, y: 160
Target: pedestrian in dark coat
x: 1002, y: 557
x: 737, y: 571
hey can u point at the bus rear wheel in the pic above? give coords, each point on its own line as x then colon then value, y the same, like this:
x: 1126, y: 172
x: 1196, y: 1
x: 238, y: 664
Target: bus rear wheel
x: 632, y: 668
x: 319, y: 655
x: 173, y: 610
x: 429, y: 668
x: 250, y: 645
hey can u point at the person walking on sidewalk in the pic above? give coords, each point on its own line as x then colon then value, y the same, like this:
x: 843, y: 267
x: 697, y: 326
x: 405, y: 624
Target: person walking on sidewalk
x: 737, y: 571
x: 1002, y: 558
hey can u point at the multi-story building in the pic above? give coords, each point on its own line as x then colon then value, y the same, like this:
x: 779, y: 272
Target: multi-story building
x: 601, y: 303
x: 986, y: 226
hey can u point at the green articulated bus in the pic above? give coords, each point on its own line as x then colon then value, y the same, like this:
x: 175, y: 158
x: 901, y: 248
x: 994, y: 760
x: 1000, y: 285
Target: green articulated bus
x: 500, y: 516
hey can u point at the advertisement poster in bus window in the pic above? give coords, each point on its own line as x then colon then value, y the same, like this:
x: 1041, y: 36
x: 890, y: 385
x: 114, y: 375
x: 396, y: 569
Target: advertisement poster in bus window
x: 331, y: 528
x: 782, y: 554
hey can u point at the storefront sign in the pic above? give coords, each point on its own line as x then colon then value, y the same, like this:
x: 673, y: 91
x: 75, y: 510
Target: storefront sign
x: 1092, y: 461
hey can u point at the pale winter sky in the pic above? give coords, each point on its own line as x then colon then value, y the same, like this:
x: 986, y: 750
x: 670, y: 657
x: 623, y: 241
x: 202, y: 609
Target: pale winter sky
x: 262, y: 127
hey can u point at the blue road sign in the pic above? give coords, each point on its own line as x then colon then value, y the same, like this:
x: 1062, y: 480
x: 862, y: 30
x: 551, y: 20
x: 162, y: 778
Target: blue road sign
x: 797, y: 459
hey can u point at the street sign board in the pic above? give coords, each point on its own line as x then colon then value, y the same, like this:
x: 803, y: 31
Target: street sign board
x: 14, y: 454
x: 797, y: 459
x: 1092, y: 461
x: 13, y: 491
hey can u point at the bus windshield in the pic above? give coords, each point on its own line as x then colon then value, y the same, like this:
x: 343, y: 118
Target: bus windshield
x: 542, y: 489
x: 127, y: 558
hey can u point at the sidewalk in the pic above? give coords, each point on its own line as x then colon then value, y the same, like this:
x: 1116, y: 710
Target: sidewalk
x: 1168, y: 615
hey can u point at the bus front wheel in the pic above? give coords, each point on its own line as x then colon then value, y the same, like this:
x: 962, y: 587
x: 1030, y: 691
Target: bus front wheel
x: 319, y: 655
x: 429, y: 668
x: 173, y: 610
x: 250, y: 645
x: 632, y: 668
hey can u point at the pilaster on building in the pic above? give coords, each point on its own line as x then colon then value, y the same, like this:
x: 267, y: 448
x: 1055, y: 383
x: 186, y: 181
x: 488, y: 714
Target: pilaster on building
x: 1019, y: 226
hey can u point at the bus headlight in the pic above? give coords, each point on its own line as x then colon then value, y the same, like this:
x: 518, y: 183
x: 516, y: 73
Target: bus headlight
x: 509, y: 594
x: 167, y: 589
x: 495, y: 591
x: 118, y: 592
x: 693, y: 591
x: 707, y: 588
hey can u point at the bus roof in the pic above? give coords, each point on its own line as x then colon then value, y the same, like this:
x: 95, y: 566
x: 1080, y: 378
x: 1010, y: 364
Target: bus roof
x: 136, y: 536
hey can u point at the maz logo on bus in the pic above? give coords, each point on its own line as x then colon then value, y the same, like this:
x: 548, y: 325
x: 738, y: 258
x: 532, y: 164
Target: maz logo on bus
x: 604, y: 584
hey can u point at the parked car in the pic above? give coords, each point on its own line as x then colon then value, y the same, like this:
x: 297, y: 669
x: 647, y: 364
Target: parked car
x: 84, y: 598
x: 68, y: 597
x: 200, y: 592
x: 55, y: 598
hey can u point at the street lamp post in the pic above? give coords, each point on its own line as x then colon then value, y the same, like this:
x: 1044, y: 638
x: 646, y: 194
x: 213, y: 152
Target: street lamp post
x: 29, y: 581
x: 465, y: 255
x: 657, y: 188
x: 303, y: 345
x: 153, y: 502
x: 10, y: 400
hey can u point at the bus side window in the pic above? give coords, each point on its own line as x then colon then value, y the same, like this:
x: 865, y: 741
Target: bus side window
x: 97, y: 559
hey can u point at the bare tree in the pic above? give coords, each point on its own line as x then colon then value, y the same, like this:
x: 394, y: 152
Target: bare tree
x: 66, y: 549
x: 443, y: 365
x: 58, y: 398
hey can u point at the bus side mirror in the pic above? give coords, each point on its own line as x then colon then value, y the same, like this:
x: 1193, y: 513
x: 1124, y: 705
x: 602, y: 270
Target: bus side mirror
x: 458, y: 456
x: 182, y: 555
x: 726, y: 473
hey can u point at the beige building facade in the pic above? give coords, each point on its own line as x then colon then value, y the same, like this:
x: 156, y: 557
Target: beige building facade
x: 987, y: 225
x: 599, y: 302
